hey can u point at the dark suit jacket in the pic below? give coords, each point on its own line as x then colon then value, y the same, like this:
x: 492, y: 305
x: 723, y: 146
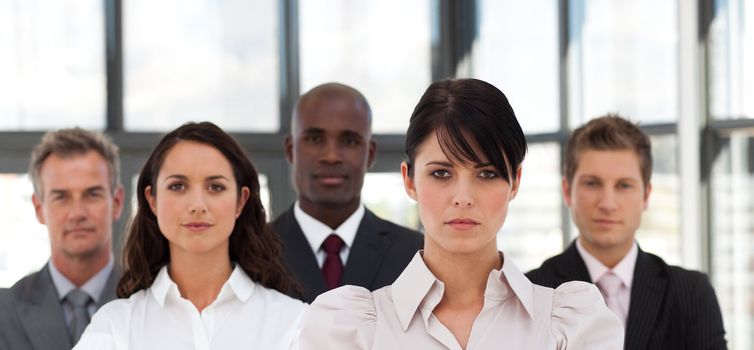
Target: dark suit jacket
x: 671, y: 308
x: 31, y: 316
x: 380, y: 252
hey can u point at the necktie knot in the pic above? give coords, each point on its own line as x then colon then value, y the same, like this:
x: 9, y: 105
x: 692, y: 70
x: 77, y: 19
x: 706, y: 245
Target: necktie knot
x: 609, y: 284
x: 78, y: 298
x: 332, y: 244
x: 332, y: 268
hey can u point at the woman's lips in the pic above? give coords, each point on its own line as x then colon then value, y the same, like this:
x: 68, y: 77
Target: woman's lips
x: 462, y: 224
x: 197, y: 226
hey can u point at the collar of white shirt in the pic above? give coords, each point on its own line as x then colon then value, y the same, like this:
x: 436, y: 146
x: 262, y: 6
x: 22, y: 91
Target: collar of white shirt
x: 624, y: 269
x: 238, y: 285
x: 418, y: 289
x: 316, y: 232
x: 94, y: 286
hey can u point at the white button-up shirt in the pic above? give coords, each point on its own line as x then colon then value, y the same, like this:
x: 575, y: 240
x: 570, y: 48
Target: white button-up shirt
x: 316, y: 232
x: 516, y: 315
x: 245, y: 315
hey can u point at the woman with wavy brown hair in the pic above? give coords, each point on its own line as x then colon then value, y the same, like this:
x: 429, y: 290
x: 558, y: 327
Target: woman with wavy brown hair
x: 202, y: 270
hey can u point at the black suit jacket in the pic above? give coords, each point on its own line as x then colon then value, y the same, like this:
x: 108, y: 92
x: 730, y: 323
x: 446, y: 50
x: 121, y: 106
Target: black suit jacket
x: 31, y: 316
x: 380, y: 252
x: 671, y: 308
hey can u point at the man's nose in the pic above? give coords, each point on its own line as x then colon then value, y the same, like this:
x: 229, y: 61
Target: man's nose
x: 331, y: 152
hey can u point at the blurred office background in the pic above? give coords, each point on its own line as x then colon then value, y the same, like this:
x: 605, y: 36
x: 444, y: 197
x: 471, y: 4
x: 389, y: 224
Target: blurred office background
x: 684, y: 69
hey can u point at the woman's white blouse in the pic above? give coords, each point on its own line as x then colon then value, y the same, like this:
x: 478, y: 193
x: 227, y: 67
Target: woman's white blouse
x: 245, y: 315
x: 516, y: 315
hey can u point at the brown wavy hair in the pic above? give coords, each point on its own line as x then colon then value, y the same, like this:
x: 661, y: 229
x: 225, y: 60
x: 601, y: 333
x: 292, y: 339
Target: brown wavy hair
x: 253, y: 245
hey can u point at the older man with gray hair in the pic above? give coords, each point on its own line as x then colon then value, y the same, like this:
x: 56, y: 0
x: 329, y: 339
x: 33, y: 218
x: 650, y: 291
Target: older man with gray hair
x: 78, y: 196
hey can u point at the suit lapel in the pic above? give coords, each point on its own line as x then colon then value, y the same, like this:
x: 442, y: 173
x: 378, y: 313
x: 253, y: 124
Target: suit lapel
x: 108, y: 294
x: 367, y: 252
x: 299, y: 256
x: 41, y: 314
x: 571, y: 267
x: 647, y: 294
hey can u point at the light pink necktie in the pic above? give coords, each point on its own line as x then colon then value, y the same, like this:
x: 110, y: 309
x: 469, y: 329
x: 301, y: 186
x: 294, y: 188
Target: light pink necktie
x: 609, y: 285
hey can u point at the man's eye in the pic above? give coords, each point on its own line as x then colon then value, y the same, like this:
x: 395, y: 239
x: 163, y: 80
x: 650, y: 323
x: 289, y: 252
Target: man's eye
x: 313, y: 138
x: 96, y: 194
x: 352, y: 142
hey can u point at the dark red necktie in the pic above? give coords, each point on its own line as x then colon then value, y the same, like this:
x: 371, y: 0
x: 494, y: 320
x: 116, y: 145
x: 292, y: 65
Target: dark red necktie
x: 332, y: 268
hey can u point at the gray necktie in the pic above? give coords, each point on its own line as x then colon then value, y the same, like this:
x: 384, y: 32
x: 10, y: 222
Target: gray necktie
x: 80, y: 300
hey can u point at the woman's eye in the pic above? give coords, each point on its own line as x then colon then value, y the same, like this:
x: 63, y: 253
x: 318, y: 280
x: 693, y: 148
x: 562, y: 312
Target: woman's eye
x: 216, y: 187
x: 488, y: 174
x: 176, y: 186
x: 440, y: 174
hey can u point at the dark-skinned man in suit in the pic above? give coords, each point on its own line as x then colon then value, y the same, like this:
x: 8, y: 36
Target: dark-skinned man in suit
x: 330, y: 238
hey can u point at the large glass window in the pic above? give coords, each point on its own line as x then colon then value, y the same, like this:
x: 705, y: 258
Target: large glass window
x: 732, y: 206
x: 732, y: 60
x: 523, y: 66
x: 624, y: 59
x: 660, y: 230
x: 380, y: 51
x: 52, y: 64
x: 201, y: 60
x: 532, y: 231
x: 24, y: 243
x: 384, y: 194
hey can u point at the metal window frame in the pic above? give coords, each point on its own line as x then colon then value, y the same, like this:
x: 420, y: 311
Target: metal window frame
x: 455, y: 28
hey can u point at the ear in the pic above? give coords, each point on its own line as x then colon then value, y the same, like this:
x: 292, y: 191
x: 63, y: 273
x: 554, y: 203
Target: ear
x: 516, y: 183
x: 647, y: 191
x: 245, y: 194
x: 150, y: 199
x: 408, y: 182
x: 118, y: 197
x: 38, y: 208
x: 372, y: 152
x: 289, y: 148
x: 566, y: 192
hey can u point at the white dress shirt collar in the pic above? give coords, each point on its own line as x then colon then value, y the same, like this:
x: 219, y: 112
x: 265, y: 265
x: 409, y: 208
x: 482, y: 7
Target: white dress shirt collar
x: 624, y: 269
x: 316, y: 232
x: 238, y: 285
x: 94, y: 286
x: 418, y: 289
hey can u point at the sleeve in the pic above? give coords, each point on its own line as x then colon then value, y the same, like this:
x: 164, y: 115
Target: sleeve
x: 343, y: 318
x: 581, y: 320
x: 705, y: 331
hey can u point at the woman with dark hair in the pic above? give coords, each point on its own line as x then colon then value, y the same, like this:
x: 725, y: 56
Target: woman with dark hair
x: 202, y: 270
x: 464, y: 151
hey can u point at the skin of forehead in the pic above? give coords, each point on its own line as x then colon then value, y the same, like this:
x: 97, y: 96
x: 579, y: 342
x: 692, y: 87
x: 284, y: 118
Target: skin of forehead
x: 330, y: 92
